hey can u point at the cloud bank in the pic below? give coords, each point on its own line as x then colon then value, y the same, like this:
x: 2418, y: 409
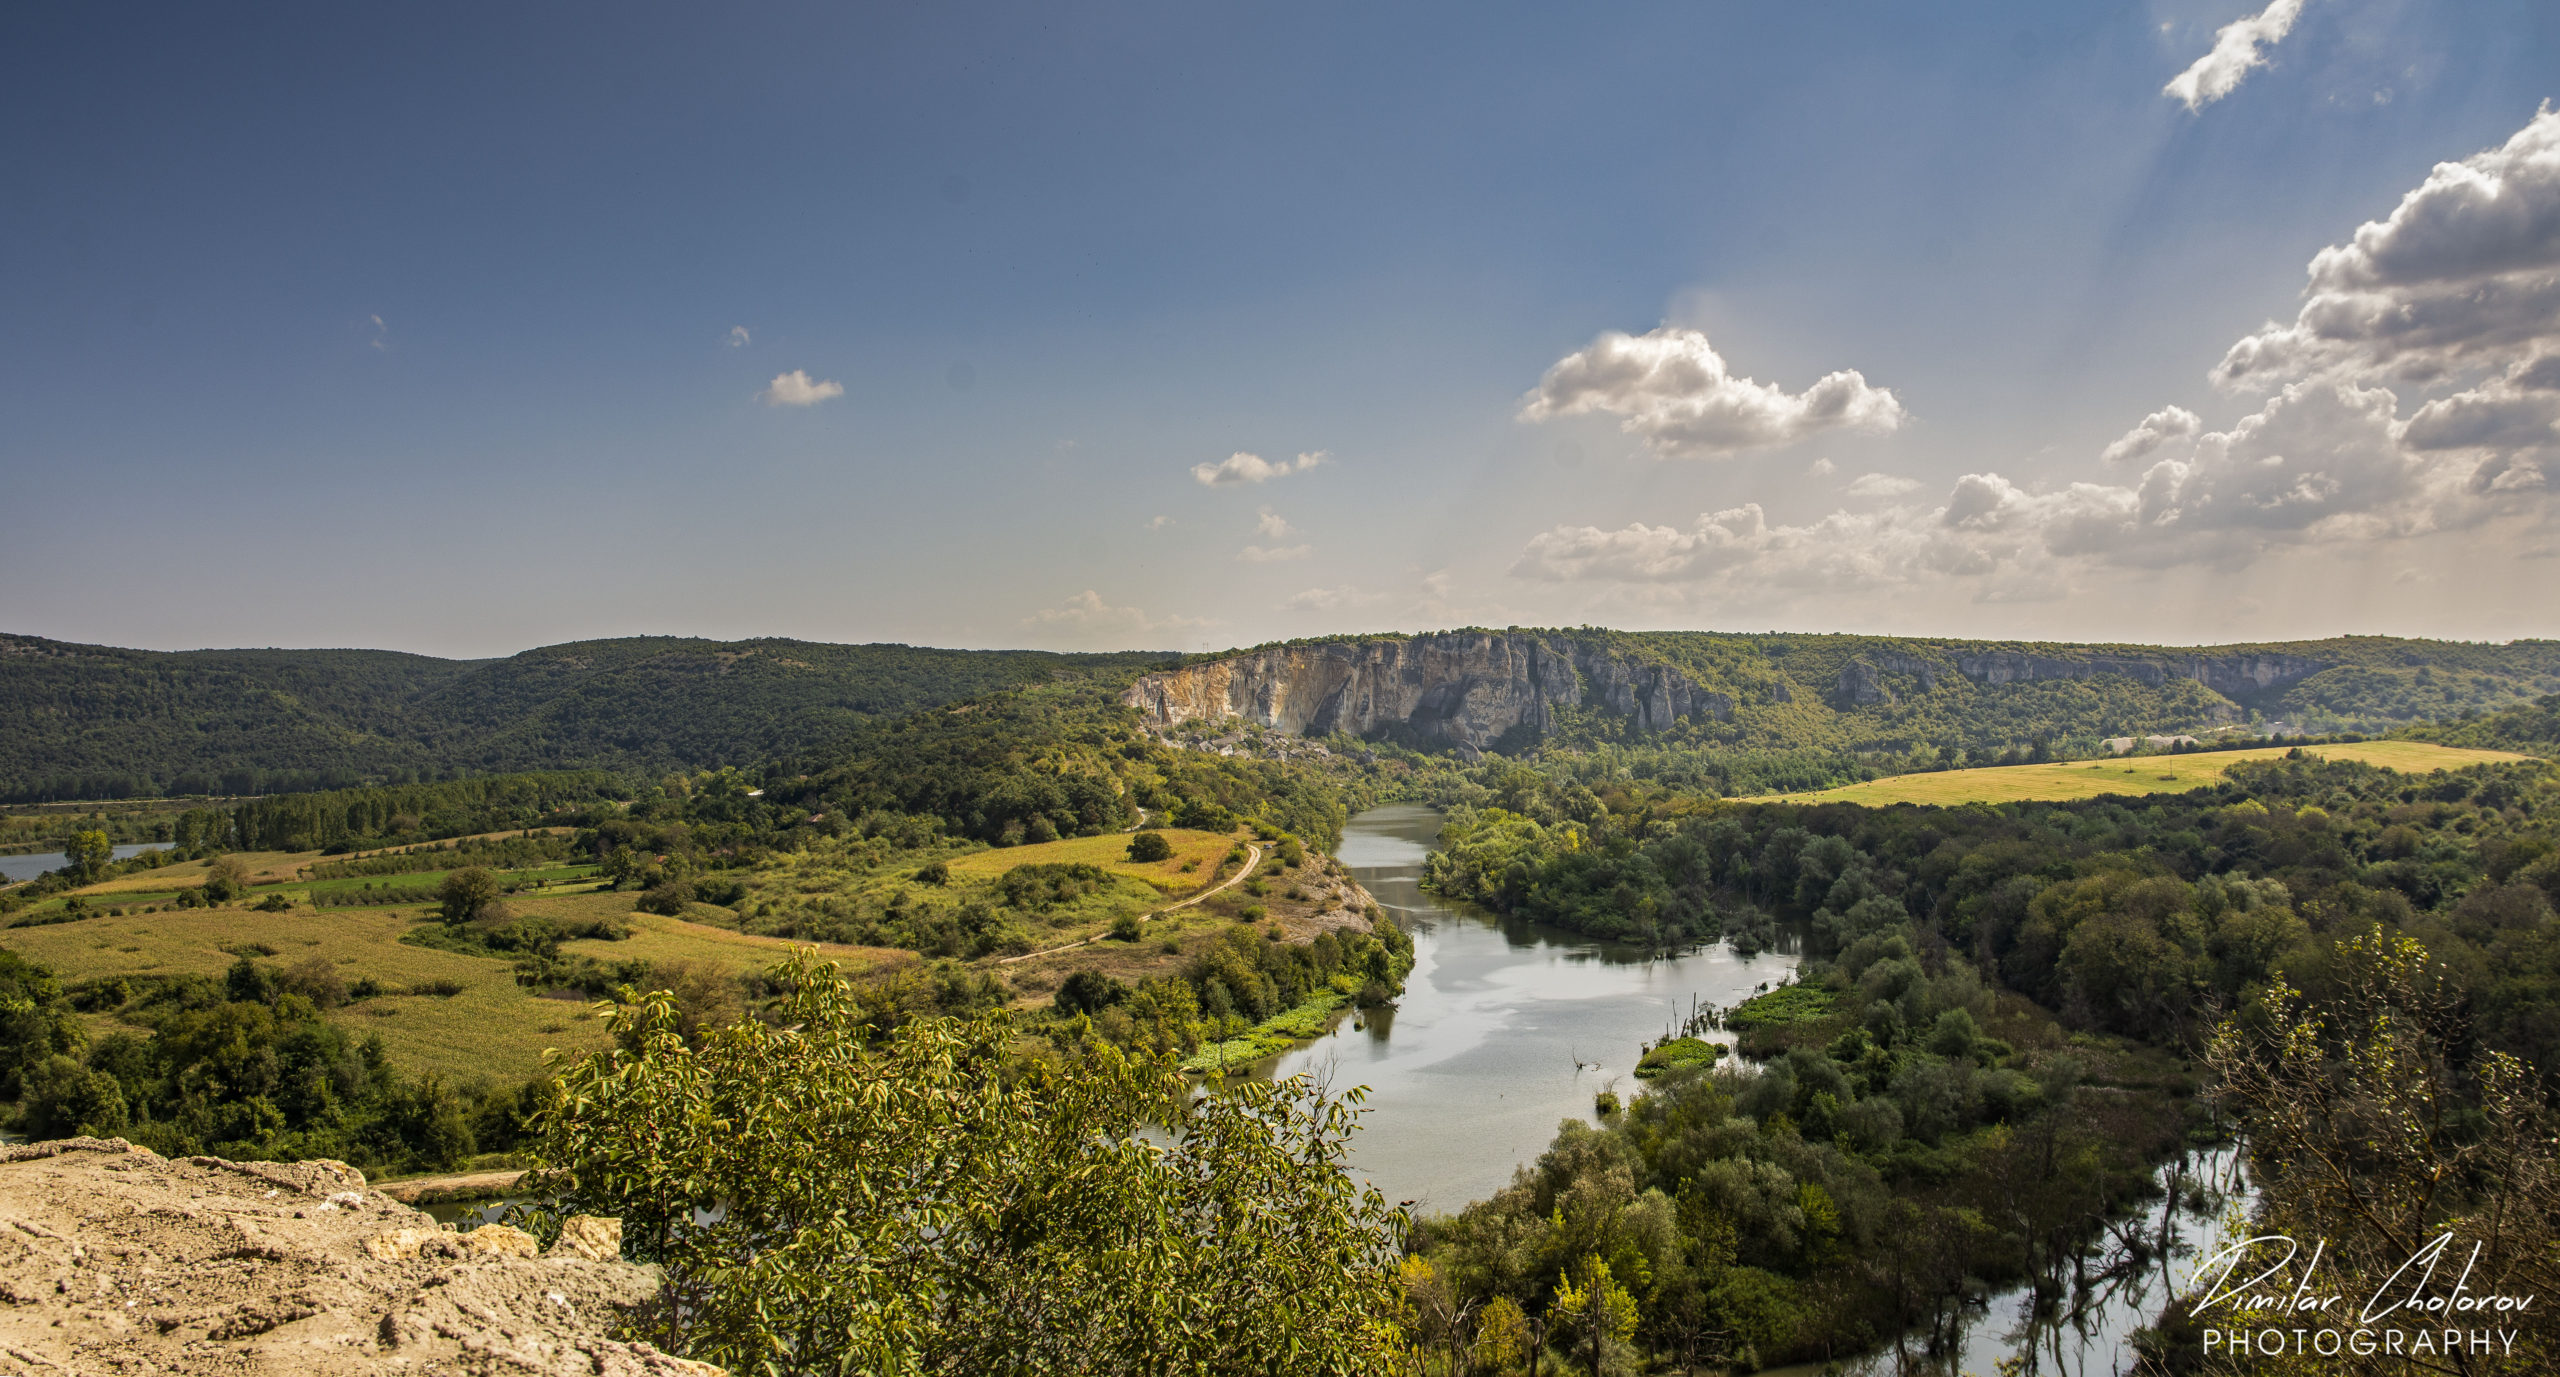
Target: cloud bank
x: 2453, y: 300
x: 1675, y: 393
x: 2238, y: 48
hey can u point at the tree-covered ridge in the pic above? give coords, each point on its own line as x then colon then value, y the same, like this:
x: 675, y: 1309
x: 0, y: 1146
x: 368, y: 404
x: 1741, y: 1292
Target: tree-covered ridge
x: 1968, y: 701
x: 2532, y: 729
x: 1063, y: 762
x: 98, y: 722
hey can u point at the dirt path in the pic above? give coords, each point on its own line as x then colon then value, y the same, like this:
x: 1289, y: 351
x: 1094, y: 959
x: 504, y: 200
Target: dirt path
x: 468, y: 1185
x: 1251, y: 860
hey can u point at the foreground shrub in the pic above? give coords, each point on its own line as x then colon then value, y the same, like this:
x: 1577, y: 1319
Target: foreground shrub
x: 827, y: 1197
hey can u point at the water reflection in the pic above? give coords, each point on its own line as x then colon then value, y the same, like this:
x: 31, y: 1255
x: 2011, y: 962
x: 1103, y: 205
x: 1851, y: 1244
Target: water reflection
x: 2127, y: 1279
x: 1505, y: 1027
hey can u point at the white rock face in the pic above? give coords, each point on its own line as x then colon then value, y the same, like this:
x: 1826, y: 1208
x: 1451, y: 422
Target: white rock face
x: 1463, y: 688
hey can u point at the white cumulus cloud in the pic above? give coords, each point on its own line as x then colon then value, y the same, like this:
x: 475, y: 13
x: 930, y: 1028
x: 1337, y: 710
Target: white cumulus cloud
x: 1674, y: 392
x: 2168, y: 425
x: 1087, y: 612
x: 1243, y: 467
x: 2238, y: 47
x: 739, y: 338
x: 1328, y: 599
x: 796, y: 388
x: 1882, y: 485
x: 1272, y: 526
x: 1272, y: 554
x: 2463, y: 274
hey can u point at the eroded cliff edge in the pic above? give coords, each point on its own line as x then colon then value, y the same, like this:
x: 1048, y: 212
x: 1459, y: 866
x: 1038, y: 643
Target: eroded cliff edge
x: 1466, y: 688
x: 1472, y: 689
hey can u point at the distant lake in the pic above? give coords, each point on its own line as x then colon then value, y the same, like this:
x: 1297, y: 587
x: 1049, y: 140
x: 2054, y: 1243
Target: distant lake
x: 33, y: 863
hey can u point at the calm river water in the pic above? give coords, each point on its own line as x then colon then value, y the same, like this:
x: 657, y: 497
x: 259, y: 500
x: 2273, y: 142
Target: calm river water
x: 1505, y: 1028
x: 34, y: 863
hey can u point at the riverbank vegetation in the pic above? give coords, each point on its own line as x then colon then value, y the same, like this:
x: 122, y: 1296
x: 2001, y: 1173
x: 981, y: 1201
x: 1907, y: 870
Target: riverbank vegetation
x: 2006, y: 1016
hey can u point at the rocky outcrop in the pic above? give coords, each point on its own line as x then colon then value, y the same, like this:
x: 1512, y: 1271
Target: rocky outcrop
x: 115, y: 1259
x: 1463, y: 688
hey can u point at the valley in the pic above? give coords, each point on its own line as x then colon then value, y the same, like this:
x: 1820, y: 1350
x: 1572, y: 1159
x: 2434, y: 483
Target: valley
x: 1470, y: 881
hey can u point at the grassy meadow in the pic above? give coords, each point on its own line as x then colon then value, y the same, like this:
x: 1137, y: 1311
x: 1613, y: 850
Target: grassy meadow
x: 2138, y: 774
x: 463, y: 1015
x: 459, y: 1015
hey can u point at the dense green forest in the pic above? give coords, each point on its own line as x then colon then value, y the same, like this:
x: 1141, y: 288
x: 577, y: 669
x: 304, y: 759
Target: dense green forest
x: 97, y: 722
x: 2532, y: 729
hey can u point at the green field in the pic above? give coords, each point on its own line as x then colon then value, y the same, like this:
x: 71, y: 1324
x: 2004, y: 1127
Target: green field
x: 492, y: 1027
x: 2143, y: 774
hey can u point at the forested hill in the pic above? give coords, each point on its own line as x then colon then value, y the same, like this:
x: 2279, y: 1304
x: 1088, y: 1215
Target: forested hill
x: 79, y: 721
x: 2533, y: 729
x: 82, y: 721
x: 1583, y: 686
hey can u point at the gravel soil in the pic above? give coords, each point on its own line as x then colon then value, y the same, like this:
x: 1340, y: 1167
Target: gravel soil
x: 115, y: 1260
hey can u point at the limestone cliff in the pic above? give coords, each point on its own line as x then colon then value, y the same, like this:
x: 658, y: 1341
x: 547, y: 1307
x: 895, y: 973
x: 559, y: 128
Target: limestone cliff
x: 1465, y: 688
x: 1470, y: 689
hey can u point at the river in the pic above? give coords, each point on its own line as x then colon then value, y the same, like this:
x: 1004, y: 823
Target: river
x: 29, y: 865
x: 1507, y: 1027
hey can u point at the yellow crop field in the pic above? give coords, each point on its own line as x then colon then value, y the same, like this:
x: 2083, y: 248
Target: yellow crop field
x: 2148, y: 774
x: 1111, y: 852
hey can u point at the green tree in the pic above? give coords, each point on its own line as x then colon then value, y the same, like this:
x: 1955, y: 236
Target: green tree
x: 1150, y: 846
x: 87, y: 853
x: 919, y: 1201
x: 1593, y: 1312
x: 467, y: 894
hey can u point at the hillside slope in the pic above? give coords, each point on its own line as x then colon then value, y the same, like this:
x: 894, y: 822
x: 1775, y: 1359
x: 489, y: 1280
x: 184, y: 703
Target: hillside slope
x: 81, y: 721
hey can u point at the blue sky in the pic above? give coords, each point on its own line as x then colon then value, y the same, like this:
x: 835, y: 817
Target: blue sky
x: 458, y: 328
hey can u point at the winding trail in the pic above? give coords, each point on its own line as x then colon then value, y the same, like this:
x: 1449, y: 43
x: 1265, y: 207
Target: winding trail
x: 1252, y: 860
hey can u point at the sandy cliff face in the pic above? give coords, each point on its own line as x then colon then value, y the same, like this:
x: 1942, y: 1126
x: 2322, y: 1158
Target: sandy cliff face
x: 1457, y: 688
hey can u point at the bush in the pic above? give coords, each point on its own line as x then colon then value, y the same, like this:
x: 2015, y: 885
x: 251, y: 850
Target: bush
x: 467, y: 894
x: 1125, y: 928
x: 228, y: 880
x: 1089, y: 992
x: 667, y: 897
x: 315, y: 978
x: 1149, y: 847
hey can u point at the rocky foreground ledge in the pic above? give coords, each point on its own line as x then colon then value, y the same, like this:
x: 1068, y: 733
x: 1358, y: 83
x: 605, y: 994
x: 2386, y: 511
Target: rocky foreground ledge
x: 114, y: 1259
